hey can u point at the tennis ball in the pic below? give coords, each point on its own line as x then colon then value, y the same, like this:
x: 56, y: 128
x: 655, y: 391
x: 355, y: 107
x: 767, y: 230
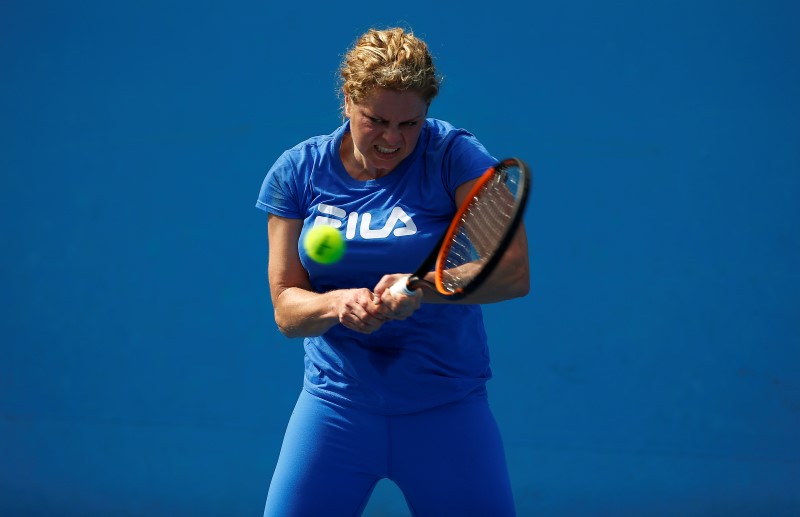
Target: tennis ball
x: 324, y: 244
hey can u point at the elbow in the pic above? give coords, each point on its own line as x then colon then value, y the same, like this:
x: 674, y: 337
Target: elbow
x: 288, y: 332
x: 286, y: 327
x: 520, y: 286
x: 512, y: 281
x: 517, y: 271
x: 292, y: 327
x: 522, y: 290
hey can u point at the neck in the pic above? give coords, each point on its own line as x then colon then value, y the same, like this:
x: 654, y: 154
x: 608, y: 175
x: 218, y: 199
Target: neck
x: 355, y: 164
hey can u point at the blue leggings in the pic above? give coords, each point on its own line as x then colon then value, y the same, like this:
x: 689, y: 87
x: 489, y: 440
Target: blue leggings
x: 447, y: 461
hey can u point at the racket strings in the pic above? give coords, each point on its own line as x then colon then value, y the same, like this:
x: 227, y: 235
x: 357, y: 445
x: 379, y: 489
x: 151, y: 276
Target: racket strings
x: 483, y: 227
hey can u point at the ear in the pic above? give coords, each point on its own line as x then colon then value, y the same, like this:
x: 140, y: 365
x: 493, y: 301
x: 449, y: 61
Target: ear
x: 346, y: 105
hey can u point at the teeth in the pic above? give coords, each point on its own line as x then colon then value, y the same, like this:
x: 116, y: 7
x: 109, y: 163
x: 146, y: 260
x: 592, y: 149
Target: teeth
x: 386, y: 150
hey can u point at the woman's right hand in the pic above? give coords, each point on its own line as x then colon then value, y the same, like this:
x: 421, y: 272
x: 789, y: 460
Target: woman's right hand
x: 361, y: 310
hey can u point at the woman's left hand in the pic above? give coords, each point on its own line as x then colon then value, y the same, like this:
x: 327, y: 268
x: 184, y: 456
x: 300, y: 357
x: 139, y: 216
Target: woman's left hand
x: 397, y: 306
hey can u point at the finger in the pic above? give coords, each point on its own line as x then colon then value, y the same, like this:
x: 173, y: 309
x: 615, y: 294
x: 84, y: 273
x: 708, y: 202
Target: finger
x: 382, y: 285
x: 359, y: 325
x: 362, y: 321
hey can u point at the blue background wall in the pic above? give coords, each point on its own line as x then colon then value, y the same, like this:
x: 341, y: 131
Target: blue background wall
x: 653, y: 370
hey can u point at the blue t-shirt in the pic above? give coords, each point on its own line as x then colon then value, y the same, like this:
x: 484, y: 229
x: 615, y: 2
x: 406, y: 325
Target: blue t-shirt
x: 390, y: 224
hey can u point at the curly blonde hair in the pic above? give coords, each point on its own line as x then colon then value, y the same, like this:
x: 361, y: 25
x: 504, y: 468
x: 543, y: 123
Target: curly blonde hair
x: 394, y: 59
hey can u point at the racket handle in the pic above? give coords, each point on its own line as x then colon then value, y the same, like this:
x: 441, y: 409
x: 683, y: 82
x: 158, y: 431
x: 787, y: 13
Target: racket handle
x: 401, y: 287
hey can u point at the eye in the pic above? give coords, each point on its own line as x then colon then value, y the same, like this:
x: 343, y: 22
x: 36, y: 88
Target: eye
x: 375, y: 120
x: 411, y: 123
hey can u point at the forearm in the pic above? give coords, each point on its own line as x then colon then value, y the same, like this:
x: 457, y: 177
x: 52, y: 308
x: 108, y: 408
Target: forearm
x: 510, y: 279
x: 302, y: 313
x: 505, y: 283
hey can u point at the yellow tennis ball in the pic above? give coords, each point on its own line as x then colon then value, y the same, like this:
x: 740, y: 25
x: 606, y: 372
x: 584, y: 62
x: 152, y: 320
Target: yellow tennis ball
x: 324, y: 244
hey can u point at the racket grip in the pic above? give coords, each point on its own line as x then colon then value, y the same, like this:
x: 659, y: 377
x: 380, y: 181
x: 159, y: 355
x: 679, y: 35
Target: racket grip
x: 401, y: 287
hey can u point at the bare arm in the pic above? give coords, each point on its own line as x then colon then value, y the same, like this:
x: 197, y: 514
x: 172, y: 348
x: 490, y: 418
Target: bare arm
x: 510, y: 279
x: 301, y: 312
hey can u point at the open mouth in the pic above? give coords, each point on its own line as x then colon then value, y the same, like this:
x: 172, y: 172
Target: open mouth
x: 386, y: 151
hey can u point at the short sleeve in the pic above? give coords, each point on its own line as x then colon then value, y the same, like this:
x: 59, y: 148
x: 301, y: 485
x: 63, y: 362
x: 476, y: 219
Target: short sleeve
x: 279, y: 193
x: 466, y: 159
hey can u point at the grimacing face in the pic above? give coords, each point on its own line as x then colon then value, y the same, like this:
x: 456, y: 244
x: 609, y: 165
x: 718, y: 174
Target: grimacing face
x: 385, y: 128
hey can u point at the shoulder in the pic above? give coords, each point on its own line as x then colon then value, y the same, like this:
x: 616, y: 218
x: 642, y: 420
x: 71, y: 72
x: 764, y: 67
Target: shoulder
x: 455, y: 152
x: 442, y: 136
x: 441, y: 129
x: 449, y: 142
x: 315, y: 147
x: 286, y: 189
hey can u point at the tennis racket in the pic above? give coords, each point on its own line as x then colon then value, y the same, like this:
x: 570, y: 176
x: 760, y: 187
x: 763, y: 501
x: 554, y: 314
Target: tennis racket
x: 480, y: 232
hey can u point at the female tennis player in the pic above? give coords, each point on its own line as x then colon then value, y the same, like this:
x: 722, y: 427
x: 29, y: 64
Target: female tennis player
x: 395, y: 384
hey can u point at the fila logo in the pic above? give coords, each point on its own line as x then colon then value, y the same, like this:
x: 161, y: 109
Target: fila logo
x: 336, y: 217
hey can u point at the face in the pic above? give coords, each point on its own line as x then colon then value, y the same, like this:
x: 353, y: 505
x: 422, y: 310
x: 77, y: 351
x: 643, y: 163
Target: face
x: 384, y: 129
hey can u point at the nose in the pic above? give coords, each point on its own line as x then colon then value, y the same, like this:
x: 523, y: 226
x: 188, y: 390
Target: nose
x: 392, y: 136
